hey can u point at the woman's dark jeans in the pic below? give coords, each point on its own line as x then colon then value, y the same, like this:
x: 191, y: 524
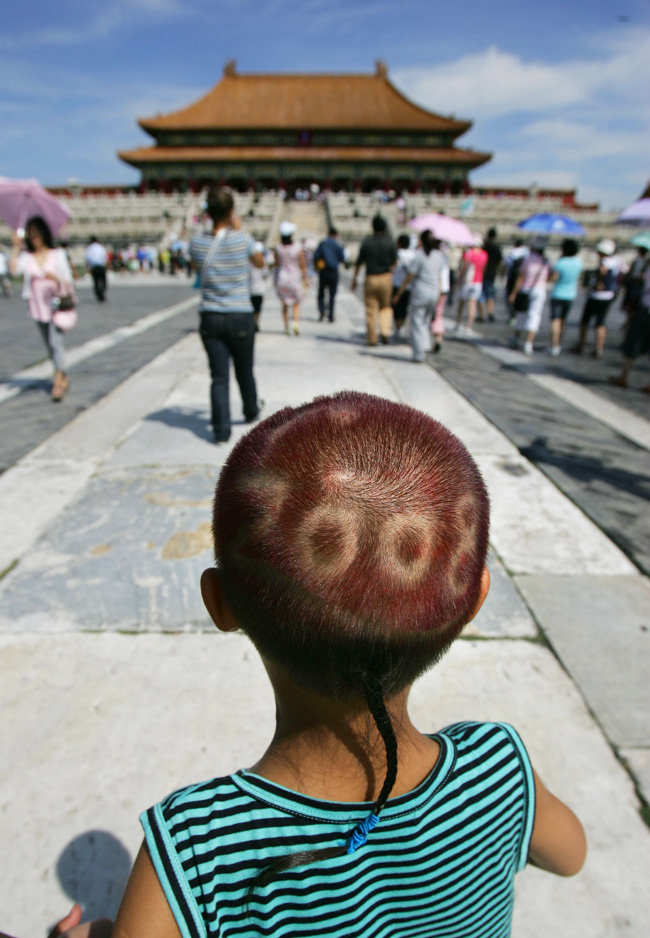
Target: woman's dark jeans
x: 227, y: 335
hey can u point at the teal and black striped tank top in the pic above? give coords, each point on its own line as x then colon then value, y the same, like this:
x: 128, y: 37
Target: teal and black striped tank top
x: 441, y: 862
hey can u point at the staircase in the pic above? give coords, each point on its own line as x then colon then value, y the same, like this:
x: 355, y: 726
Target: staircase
x: 309, y: 218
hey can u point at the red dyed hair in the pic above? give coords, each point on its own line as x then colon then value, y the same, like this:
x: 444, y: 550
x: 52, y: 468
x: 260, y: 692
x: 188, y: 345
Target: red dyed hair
x: 351, y: 534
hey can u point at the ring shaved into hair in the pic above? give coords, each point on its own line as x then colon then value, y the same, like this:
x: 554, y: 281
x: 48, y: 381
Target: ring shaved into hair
x: 351, y: 534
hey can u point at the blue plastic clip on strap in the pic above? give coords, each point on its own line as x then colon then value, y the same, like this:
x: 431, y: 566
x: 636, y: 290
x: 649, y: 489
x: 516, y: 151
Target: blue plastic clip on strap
x: 360, y: 833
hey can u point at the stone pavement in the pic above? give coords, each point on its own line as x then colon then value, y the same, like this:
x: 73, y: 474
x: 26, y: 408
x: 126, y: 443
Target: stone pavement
x: 113, y: 683
x: 98, y: 356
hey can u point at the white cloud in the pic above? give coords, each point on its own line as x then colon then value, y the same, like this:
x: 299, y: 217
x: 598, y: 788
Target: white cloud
x: 494, y: 83
x: 585, y: 120
x: 572, y: 139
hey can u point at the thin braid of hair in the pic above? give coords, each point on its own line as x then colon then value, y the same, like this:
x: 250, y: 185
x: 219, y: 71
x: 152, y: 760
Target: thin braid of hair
x: 375, y: 699
x: 377, y: 706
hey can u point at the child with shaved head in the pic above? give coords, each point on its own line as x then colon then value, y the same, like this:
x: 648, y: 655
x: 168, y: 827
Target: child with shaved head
x: 350, y: 539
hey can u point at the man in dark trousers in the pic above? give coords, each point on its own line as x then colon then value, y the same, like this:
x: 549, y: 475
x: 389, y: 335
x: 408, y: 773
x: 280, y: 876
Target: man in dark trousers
x: 379, y: 255
x: 327, y: 257
x: 489, y: 292
x: 96, y: 261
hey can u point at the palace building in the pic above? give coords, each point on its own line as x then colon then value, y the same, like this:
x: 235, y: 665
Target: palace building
x: 355, y: 132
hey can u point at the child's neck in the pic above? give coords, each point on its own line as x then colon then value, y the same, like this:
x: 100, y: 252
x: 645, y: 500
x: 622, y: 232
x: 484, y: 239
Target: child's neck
x: 330, y: 750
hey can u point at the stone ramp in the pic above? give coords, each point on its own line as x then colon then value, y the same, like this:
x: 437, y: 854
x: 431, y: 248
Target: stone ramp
x: 309, y: 217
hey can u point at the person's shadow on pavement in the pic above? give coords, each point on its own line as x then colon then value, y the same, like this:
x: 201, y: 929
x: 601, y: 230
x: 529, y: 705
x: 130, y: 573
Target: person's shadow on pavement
x: 93, y: 870
x: 195, y: 421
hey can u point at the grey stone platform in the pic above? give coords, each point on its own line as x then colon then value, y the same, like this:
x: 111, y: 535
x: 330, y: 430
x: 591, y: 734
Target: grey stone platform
x: 115, y: 689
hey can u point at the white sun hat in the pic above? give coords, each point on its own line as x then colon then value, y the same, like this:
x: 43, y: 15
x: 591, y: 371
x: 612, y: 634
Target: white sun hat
x: 606, y: 247
x: 287, y: 228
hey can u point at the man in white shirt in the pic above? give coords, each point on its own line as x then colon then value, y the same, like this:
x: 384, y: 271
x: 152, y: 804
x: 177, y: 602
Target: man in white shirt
x: 96, y: 261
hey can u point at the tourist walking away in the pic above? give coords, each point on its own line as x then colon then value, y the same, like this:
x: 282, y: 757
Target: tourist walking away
x: 5, y: 282
x: 471, y: 278
x: 227, y: 325
x: 290, y: 276
x: 565, y: 278
x: 454, y: 256
x: 529, y: 295
x: 47, y: 286
x: 259, y: 280
x: 513, y: 261
x: 97, y: 262
x: 602, y: 290
x: 438, y: 324
x: 379, y: 256
x: 351, y: 536
x: 327, y: 257
x: 634, y: 285
x: 489, y: 291
x: 405, y: 254
x: 424, y: 278
x: 637, y: 340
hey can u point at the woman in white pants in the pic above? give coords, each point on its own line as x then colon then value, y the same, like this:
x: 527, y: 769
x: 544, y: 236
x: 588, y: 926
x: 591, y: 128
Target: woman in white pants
x: 532, y: 282
x: 424, y: 278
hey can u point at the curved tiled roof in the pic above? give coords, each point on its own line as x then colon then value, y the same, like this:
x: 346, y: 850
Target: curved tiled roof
x: 359, y: 102
x: 303, y: 154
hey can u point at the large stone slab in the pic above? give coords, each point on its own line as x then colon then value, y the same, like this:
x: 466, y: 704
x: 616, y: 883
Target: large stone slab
x: 638, y: 762
x: 42, y: 484
x: 127, y: 555
x: 537, y: 530
x: 96, y: 727
x: 620, y: 419
x: 600, y: 628
x: 504, y: 614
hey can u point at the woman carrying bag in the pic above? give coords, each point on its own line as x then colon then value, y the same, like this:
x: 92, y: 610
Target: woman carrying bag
x: 529, y: 295
x: 47, y: 286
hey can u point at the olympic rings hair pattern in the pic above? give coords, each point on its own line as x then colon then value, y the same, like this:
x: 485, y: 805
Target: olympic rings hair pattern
x: 351, y: 534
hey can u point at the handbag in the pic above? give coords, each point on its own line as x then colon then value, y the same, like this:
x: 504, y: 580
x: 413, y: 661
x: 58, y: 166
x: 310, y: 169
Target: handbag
x: 64, y: 311
x: 522, y: 297
x: 522, y: 301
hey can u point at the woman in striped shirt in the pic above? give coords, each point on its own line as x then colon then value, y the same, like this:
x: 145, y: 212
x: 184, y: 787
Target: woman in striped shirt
x: 227, y: 324
x: 350, y: 536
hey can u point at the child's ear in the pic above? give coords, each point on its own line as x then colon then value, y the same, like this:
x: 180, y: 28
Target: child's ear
x: 215, y: 602
x: 485, y: 589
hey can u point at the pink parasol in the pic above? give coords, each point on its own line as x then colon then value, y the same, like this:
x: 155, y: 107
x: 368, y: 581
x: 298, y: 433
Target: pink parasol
x: 444, y: 228
x: 636, y: 214
x: 20, y: 199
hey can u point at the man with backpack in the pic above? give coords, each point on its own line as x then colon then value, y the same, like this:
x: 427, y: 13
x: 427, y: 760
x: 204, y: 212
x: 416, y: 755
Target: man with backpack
x: 602, y: 290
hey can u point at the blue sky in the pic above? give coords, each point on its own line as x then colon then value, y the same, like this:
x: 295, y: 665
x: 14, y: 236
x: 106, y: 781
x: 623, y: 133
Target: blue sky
x: 557, y: 91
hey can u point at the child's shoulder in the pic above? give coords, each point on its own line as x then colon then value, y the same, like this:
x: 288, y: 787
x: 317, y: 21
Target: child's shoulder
x: 199, y: 796
x: 469, y: 736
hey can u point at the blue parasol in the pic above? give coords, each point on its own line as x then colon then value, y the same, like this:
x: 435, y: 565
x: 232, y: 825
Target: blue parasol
x: 546, y: 223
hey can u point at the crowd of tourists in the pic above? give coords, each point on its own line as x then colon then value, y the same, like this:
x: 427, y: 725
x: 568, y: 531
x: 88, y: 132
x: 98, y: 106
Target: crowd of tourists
x: 408, y: 285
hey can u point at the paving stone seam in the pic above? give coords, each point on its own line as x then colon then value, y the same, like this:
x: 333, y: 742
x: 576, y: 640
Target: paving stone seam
x: 21, y: 485
x: 544, y: 639
x: 30, y: 376
x: 626, y: 424
x: 542, y: 467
